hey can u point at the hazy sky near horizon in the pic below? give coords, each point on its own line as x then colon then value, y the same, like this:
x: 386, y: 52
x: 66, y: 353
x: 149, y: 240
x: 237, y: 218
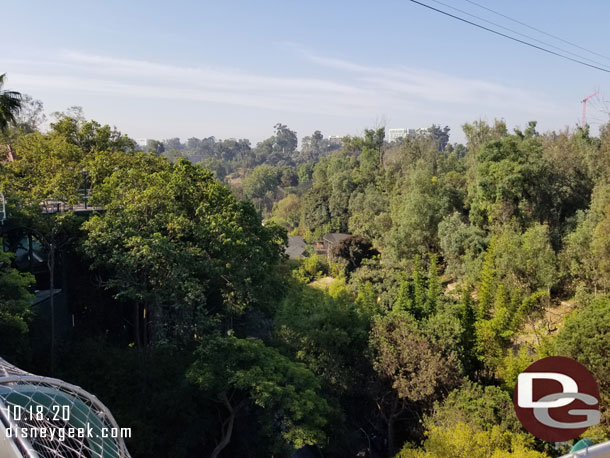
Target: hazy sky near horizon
x: 234, y: 69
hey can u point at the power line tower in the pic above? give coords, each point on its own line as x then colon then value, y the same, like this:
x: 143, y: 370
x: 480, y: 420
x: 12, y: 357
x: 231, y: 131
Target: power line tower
x: 584, y: 108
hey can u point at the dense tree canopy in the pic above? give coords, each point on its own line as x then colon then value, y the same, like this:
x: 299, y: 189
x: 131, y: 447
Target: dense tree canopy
x: 460, y: 265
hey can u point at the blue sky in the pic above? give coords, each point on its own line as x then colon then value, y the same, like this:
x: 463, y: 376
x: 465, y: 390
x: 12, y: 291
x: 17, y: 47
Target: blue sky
x: 234, y: 69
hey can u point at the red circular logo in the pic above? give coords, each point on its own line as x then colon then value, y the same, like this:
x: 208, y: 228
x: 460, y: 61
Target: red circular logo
x: 556, y: 399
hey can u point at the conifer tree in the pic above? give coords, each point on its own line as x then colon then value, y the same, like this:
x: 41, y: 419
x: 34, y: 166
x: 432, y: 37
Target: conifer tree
x: 487, y: 283
x: 468, y: 340
x: 404, y: 300
x: 434, y: 286
x: 493, y: 335
x: 367, y: 300
x: 419, y: 288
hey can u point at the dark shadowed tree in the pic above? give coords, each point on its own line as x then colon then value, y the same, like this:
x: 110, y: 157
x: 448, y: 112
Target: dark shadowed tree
x: 353, y: 250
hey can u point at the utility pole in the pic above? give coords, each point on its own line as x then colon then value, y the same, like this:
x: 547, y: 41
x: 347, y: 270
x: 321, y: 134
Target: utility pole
x: 584, y: 109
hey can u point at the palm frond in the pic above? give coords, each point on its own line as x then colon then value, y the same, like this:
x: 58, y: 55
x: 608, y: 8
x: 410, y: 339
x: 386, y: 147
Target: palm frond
x: 10, y: 105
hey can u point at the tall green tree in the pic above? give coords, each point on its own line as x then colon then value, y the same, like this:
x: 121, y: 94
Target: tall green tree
x: 177, y: 246
x: 410, y: 368
x: 513, y: 180
x: 10, y: 105
x: 245, y: 374
x: 415, y: 213
x: 260, y: 183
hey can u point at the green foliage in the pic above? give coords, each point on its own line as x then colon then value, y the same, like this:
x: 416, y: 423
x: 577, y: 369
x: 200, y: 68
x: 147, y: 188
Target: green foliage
x: 404, y: 300
x: 288, y: 210
x: 411, y: 366
x: 479, y: 133
x: 578, y: 260
x: 494, y: 334
x: 286, y: 395
x: 415, y: 215
x: 514, y: 364
x: 214, y: 165
x: 474, y: 421
x: 467, y: 314
x: 263, y: 179
x: 586, y: 337
x: 487, y: 282
x: 89, y: 136
x: 422, y: 296
x: 481, y: 407
x: 401, y: 352
x: 384, y: 279
x: 513, y: 181
x: 369, y: 213
x: 54, y: 166
x: 214, y: 251
x: 328, y: 332
x: 367, y: 300
x: 316, y: 213
x: 526, y: 261
x: 49, y: 169
x: 462, y: 440
x: 600, y: 245
x: 311, y: 268
x: 419, y: 288
x: 434, y: 287
x: 188, y: 265
x: 15, y: 314
x: 313, y: 148
x: 305, y: 173
x: 352, y: 251
x: 462, y: 245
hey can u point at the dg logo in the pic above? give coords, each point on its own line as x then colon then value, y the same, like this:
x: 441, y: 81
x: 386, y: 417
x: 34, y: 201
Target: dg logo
x: 556, y: 399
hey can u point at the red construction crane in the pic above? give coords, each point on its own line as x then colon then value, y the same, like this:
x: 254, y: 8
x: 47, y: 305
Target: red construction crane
x: 584, y: 108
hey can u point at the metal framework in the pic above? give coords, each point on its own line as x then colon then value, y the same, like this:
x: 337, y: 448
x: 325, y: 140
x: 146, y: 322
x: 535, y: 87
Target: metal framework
x: 30, y: 404
x: 584, y: 109
x: 599, y: 450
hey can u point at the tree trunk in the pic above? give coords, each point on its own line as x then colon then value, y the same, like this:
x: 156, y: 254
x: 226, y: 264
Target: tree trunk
x: 397, y: 408
x: 136, y: 325
x: 391, y: 436
x: 227, y: 429
x: 51, y: 266
x: 145, y: 338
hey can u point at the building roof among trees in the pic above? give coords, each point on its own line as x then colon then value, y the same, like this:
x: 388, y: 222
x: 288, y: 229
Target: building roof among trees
x: 335, y: 237
x: 296, y: 247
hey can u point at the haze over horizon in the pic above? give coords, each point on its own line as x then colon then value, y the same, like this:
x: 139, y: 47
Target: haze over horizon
x: 160, y: 70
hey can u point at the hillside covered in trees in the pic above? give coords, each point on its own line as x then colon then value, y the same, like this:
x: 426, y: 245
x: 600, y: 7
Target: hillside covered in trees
x: 466, y: 263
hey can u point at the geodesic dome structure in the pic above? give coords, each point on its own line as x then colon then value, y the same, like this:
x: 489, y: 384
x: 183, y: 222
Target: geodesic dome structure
x: 30, y: 404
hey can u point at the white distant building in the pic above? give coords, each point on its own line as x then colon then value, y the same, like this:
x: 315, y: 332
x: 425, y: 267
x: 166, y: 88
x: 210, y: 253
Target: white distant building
x: 335, y: 140
x: 399, y: 133
x: 142, y: 142
x: 396, y: 134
